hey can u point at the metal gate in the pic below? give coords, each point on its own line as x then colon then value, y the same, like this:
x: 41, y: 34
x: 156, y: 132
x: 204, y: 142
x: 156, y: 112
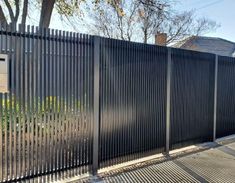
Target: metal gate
x: 46, y: 118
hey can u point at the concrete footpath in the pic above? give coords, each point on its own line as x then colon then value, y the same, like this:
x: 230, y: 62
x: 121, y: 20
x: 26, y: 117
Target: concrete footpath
x: 209, y: 162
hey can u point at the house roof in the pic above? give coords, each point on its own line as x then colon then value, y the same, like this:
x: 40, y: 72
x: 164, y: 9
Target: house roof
x: 209, y: 44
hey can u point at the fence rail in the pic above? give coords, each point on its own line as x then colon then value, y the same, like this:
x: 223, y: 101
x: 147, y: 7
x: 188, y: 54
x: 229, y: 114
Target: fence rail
x: 78, y: 102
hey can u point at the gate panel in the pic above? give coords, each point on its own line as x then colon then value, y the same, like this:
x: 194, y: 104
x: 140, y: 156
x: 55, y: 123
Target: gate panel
x: 46, y: 118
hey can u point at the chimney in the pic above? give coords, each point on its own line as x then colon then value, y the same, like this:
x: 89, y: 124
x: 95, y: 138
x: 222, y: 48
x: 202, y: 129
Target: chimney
x: 160, y: 39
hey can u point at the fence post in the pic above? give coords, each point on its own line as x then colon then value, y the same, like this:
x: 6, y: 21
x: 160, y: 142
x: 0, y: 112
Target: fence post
x: 215, y: 97
x: 95, y: 162
x: 168, y: 102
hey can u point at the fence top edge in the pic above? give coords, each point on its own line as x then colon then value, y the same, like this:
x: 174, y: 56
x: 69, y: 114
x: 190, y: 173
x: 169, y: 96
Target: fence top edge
x: 36, y: 32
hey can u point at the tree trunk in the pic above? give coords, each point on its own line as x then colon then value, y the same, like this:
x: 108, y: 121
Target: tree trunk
x: 46, y: 11
x: 25, y: 12
x: 17, y: 11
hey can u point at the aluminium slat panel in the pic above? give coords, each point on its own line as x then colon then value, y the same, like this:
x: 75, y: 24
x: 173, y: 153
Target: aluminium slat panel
x: 225, y: 97
x: 7, y: 111
x: 57, y: 104
x: 192, y: 92
x: 54, y: 125
x: 42, y: 127
x: 82, y: 131
x: 1, y: 126
x: 77, y: 109
x: 28, y: 104
x: 35, y: 55
x: 132, y: 109
x: 13, y: 87
x: 73, y: 111
x: 11, y: 117
x: 31, y: 101
x: 90, y: 95
x: 23, y: 102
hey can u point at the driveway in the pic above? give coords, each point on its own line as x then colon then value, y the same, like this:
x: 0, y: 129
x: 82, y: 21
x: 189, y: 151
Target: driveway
x: 210, y: 162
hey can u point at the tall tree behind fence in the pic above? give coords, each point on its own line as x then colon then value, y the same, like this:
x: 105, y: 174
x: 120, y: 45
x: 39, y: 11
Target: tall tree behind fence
x: 78, y: 103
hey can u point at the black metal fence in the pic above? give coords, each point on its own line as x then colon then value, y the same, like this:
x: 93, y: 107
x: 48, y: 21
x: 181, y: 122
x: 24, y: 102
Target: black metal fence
x: 192, y: 96
x: 46, y: 118
x: 226, y: 97
x: 132, y: 100
x: 78, y: 103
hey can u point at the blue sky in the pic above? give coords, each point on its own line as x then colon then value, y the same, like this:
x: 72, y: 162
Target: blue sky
x: 222, y: 11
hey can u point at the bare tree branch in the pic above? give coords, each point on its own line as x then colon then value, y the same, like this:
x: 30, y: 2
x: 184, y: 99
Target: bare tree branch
x: 184, y: 25
x: 9, y: 10
x: 113, y: 22
x: 25, y: 12
x: 17, y: 4
x: 152, y: 13
x: 130, y: 21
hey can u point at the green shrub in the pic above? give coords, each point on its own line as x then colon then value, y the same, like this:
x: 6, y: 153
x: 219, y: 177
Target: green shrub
x: 13, y: 109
